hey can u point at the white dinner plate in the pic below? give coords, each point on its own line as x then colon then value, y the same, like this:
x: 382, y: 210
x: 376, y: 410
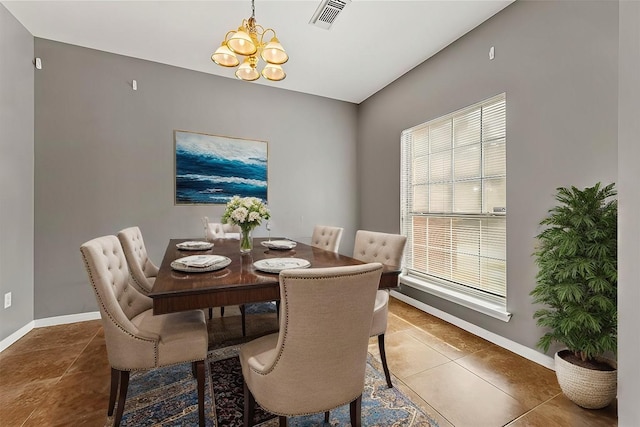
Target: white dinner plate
x: 279, y: 244
x: 194, y: 246
x: 276, y: 265
x: 200, y: 263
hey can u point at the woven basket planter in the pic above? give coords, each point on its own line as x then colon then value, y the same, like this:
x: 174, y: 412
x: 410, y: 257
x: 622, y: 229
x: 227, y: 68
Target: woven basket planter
x: 588, y: 388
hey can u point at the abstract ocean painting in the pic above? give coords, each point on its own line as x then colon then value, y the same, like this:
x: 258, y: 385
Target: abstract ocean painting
x: 211, y: 169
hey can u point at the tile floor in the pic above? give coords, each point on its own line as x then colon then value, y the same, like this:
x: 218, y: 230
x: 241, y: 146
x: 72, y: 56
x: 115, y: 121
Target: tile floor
x: 59, y: 376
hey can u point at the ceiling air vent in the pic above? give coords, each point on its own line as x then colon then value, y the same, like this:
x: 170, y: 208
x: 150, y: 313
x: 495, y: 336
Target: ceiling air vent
x: 327, y: 12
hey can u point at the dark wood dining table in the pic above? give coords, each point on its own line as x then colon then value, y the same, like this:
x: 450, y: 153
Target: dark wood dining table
x: 239, y: 282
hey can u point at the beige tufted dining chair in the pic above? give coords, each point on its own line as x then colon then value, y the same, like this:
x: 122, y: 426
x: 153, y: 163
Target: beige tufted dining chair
x: 143, y: 271
x: 314, y: 363
x: 217, y: 230
x: 371, y: 246
x: 326, y: 237
x: 135, y: 338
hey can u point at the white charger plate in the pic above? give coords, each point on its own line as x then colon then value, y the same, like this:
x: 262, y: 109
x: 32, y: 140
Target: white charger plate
x: 276, y: 265
x: 194, y: 246
x: 279, y: 244
x: 220, y: 263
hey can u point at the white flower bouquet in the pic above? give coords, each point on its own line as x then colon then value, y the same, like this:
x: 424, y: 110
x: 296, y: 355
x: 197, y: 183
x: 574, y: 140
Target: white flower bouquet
x: 247, y: 213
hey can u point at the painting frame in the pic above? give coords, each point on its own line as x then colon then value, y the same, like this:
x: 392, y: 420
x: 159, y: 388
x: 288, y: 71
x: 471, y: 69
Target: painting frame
x: 209, y: 169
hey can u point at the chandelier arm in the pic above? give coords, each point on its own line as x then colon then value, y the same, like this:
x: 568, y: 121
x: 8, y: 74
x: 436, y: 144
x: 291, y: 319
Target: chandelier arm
x: 260, y: 32
x: 226, y: 36
x: 259, y: 29
x: 267, y: 30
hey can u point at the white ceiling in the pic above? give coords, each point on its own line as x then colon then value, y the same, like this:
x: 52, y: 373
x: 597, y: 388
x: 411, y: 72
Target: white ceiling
x: 370, y: 44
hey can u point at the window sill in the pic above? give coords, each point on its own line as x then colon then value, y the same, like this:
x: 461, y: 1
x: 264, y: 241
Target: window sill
x: 485, y: 307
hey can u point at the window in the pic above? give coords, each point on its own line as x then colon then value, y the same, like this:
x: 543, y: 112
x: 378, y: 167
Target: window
x: 453, y: 205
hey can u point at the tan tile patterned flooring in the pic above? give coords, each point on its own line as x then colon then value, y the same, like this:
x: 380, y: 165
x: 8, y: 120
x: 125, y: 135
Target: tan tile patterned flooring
x: 59, y: 376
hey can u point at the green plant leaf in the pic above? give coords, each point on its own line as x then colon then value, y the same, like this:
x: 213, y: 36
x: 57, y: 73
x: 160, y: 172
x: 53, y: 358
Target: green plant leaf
x: 577, y: 271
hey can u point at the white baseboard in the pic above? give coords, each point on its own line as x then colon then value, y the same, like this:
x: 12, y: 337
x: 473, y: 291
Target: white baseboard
x: 69, y: 318
x: 503, y: 342
x: 5, y: 343
x: 513, y: 346
x: 48, y: 321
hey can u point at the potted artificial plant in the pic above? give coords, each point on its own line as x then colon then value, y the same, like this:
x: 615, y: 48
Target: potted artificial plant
x: 577, y: 281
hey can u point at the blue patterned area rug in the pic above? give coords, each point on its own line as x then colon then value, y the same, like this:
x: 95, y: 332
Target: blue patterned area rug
x: 167, y: 397
x: 260, y: 307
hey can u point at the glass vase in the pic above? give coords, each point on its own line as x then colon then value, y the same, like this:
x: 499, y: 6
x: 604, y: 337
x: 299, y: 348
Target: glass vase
x: 246, y: 240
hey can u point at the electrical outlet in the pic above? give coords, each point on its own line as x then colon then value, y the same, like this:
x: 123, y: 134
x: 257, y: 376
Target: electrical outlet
x: 7, y: 300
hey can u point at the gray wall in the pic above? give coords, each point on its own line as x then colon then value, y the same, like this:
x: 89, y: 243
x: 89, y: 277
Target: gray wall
x: 104, y: 152
x: 557, y: 63
x: 16, y: 173
x: 104, y: 158
x: 629, y: 212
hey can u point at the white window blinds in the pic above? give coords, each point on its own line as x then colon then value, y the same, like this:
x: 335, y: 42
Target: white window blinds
x: 453, y: 200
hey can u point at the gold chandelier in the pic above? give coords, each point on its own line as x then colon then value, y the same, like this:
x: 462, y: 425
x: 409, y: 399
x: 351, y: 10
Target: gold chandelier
x: 247, y: 41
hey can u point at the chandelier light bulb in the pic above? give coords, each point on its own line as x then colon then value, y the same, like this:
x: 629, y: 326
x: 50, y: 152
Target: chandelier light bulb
x: 273, y: 72
x: 247, y: 71
x: 241, y: 43
x: 225, y: 57
x: 274, y: 53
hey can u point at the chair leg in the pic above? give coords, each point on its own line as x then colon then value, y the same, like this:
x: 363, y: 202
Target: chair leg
x: 326, y: 417
x: 355, y: 411
x: 115, y: 379
x: 244, y: 325
x: 211, y: 312
x: 383, y: 356
x: 249, y: 406
x: 124, y: 384
x: 284, y: 422
x: 199, y: 367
